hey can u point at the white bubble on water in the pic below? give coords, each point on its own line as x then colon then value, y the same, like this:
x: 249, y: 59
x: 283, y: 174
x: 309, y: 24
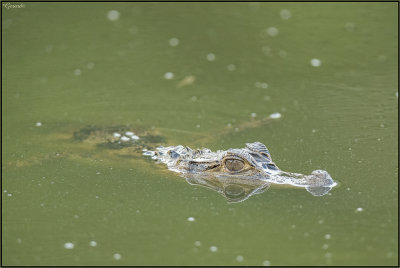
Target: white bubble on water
x: 349, y: 26
x: 93, y: 243
x: 275, y: 115
x: 239, y: 258
x: 49, y: 48
x: 168, y: 75
x: 197, y: 126
x: 197, y: 243
x: 124, y: 138
x: 134, y: 137
x: 264, y: 85
x: 315, y: 62
x: 253, y: 115
x: 231, y: 67
x: 173, y: 42
x: 38, y: 124
x: 193, y: 98
x: 282, y: 53
x: 69, y: 245
x: 325, y: 246
x: 397, y: 94
x: 213, y: 249
x: 285, y: 14
x: 116, y: 135
x: 77, y: 72
x: 19, y: 240
x: 113, y: 15
x: 266, y: 263
x: 9, y: 194
x: 129, y: 133
x: 272, y: 31
x: 90, y: 65
x: 327, y: 236
x: 359, y: 209
x: 191, y: 219
x: 211, y: 57
x: 117, y: 256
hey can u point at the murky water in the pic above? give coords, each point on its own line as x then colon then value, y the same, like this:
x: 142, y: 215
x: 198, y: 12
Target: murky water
x: 188, y: 71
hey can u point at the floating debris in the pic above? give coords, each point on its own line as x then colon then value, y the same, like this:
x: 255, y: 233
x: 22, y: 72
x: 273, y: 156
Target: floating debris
x: 187, y: 80
x: 168, y: 75
x: 113, y: 15
x: 285, y: 14
x: 327, y: 236
x: 134, y: 137
x: 272, y: 31
x: 315, y: 62
x: 239, y: 258
x: 261, y: 85
x: 349, y: 26
x: 90, y: 65
x: 213, y: 249
x: 231, y: 67
x: 173, y: 42
x: 77, y: 72
x: 117, y: 256
x: 211, y: 57
x: 266, y: 263
x: 69, y: 245
x: 125, y: 138
x: 275, y: 115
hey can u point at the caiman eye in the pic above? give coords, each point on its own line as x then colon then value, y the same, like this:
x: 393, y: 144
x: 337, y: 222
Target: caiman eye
x: 234, y: 164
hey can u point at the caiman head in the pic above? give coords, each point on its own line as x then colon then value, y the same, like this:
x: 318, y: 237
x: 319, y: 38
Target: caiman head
x: 252, y: 162
x: 237, y: 173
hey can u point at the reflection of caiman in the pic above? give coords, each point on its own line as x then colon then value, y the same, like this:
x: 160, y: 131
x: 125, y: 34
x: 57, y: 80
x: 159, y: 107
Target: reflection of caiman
x: 237, y: 173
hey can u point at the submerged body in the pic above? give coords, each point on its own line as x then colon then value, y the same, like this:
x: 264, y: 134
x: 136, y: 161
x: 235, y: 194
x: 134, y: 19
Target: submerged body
x: 237, y: 173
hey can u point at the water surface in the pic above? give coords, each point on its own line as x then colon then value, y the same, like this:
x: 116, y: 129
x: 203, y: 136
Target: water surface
x: 188, y: 70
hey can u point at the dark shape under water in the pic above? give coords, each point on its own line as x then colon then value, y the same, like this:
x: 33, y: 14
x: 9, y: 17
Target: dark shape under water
x: 237, y: 173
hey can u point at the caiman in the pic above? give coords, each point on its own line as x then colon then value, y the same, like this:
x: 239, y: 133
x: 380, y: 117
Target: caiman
x: 235, y: 173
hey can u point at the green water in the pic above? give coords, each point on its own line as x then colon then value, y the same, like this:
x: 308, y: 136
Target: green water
x: 67, y: 65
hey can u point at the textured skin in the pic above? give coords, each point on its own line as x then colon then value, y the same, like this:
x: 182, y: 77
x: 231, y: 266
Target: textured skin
x: 257, y: 170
